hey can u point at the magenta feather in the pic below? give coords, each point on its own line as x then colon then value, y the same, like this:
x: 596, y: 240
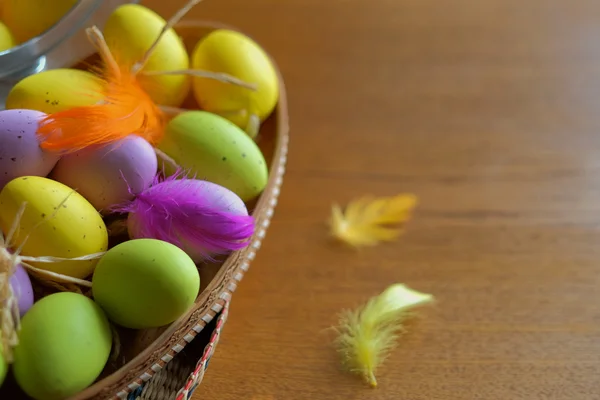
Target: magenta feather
x: 198, y: 216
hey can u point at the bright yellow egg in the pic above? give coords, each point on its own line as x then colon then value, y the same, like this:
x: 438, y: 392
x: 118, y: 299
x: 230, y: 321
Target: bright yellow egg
x: 6, y: 38
x: 30, y: 18
x: 235, y: 54
x: 76, y: 229
x: 130, y: 31
x: 55, y: 90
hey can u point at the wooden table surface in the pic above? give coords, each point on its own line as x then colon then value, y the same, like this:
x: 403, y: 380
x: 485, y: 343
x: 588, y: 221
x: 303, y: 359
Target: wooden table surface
x: 489, y: 111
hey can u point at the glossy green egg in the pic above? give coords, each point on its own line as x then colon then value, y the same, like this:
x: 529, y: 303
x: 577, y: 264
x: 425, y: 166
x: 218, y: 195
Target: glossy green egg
x: 145, y: 283
x: 64, y: 344
x: 215, y: 149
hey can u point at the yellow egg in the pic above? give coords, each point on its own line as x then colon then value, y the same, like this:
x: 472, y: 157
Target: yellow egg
x: 30, y: 18
x: 55, y: 90
x: 75, y: 230
x: 235, y: 54
x: 130, y: 31
x: 6, y: 39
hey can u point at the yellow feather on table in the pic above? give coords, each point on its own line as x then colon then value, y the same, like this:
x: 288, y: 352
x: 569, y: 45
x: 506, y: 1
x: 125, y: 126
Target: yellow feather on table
x: 367, y: 335
x: 368, y: 221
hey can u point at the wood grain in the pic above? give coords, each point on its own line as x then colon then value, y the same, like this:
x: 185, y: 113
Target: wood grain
x: 488, y: 111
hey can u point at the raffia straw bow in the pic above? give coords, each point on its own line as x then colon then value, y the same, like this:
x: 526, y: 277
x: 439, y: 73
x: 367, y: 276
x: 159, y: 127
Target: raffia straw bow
x: 10, y: 322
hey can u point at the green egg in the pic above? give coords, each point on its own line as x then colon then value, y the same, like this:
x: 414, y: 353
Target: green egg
x: 145, y: 283
x: 64, y: 344
x: 215, y: 149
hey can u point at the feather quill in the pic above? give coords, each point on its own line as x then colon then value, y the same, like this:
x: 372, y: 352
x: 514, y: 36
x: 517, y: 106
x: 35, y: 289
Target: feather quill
x: 368, y: 334
x: 368, y: 221
x: 180, y: 211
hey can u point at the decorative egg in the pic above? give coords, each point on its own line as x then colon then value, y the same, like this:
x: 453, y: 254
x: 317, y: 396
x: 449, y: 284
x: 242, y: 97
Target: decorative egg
x: 30, y: 18
x: 55, y: 90
x: 76, y: 229
x: 22, y: 289
x: 6, y: 39
x: 64, y: 344
x: 235, y: 54
x: 145, y: 283
x: 20, y: 151
x: 214, y: 149
x: 110, y: 174
x: 130, y: 31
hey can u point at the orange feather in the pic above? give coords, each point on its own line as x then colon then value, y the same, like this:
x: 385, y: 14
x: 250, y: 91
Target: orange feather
x: 125, y: 109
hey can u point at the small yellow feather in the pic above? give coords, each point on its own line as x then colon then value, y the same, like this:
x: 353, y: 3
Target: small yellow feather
x: 368, y: 221
x: 367, y: 335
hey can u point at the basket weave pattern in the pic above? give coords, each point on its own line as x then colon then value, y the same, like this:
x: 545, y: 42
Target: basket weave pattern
x: 175, y: 381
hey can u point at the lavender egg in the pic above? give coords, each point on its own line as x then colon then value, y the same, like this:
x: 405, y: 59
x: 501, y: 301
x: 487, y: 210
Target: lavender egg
x: 20, y: 151
x: 108, y: 175
x: 22, y: 289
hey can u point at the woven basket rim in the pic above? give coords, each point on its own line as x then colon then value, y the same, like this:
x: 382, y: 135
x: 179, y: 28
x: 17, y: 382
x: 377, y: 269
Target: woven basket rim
x: 210, y: 302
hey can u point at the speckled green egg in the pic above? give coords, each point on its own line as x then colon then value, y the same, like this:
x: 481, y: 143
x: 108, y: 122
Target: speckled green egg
x: 145, y: 283
x: 64, y: 344
x: 215, y: 149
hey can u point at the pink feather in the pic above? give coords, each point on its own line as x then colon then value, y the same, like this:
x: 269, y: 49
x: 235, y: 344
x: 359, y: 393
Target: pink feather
x: 200, y: 217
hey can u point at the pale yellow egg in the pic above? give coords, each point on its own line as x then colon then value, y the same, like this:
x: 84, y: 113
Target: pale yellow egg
x: 130, y: 31
x: 30, y: 18
x: 235, y: 54
x: 6, y: 38
x: 70, y: 230
x: 55, y: 90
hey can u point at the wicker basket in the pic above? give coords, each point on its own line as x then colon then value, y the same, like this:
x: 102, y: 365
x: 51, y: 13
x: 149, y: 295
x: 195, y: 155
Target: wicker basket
x: 168, y: 363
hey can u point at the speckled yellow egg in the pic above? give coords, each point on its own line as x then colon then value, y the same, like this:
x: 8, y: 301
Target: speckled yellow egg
x: 6, y: 38
x: 130, y: 31
x: 235, y: 54
x: 76, y: 229
x: 55, y: 90
x: 29, y: 18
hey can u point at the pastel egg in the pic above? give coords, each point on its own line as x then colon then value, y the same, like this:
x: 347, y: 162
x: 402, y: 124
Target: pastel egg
x: 215, y: 149
x: 30, y: 18
x: 20, y: 151
x: 130, y: 31
x: 6, y: 39
x: 70, y: 230
x: 22, y: 289
x: 145, y: 283
x: 64, y: 344
x: 111, y: 174
x: 55, y: 90
x: 234, y: 53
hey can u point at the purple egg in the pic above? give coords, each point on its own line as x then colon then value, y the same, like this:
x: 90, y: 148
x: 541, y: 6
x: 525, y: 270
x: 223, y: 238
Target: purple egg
x: 22, y: 290
x: 20, y: 151
x: 104, y: 175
